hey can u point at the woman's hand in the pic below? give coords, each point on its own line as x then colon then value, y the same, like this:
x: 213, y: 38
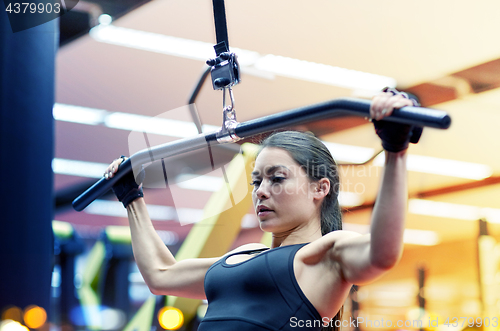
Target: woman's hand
x: 113, y: 167
x: 127, y: 188
x: 395, y: 136
x: 384, y: 103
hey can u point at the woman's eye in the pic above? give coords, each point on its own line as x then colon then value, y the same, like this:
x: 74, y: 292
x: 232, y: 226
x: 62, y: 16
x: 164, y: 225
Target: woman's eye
x: 277, y: 179
x: 255, y: 183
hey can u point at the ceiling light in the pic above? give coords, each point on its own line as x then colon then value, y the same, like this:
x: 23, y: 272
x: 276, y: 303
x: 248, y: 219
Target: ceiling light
x: 323, y: 73
x: 156, y: 212
x: 349, y: 153
x: 410, y: 236
x: 279, y: 65
x: 420, y: 237
x: 77, y: 114
x: 199, y: 183
x: 444, y: 167
x: 155, y: 125
x: 115, y: 209
x: 350, y: 199
x: 78, y: 168
x: 153, y: 42
x: 127, y: 121
x: 453, y: 210
x: 448, y: 167
x: 442, y: 209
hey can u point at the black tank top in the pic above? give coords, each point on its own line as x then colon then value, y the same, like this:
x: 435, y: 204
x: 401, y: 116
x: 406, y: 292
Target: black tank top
x: 260, y: 293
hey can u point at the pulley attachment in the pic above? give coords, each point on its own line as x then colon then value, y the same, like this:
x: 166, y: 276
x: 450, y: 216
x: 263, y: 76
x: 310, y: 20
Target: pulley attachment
x: 225, y: 70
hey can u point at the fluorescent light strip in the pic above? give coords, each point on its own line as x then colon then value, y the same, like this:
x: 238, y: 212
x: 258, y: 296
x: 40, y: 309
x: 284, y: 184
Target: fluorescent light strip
x: 156, y: 212
x: 115, y: 209
x: 199, y: 183
x: 77, y: 114
x: 279, y: 65
x: 163, y: 44
x: 127, y: 121
x: 444, y: 167
x: 453, y: 210
x: 420, y: 237
x: 78, y: 168
x: 349, y: 153
x: 154, y: 125
x: 350, y: 199
x: 410, y: 236
x: 322, y: 73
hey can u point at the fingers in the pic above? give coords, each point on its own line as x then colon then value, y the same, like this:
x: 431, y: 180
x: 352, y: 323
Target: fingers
x: 112, y: 168
x: 384, y: 103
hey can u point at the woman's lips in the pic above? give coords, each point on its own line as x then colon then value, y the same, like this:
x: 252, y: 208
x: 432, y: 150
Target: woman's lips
x: 263, y: 210
x: 264, y: 213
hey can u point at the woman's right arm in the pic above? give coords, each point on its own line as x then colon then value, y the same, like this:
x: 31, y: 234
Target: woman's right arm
x: 161, y: 272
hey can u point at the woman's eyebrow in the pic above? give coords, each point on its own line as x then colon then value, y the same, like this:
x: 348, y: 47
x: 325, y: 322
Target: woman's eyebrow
x: 270, y: 170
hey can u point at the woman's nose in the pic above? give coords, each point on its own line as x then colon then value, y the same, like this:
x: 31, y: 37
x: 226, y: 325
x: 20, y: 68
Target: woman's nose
x: 263, y: 190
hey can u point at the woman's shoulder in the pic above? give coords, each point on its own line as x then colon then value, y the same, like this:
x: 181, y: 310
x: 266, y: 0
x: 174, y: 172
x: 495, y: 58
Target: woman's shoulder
x: 321, y: 246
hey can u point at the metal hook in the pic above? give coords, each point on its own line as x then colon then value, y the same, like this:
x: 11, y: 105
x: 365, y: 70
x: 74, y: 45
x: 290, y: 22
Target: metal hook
x: 229, y: 122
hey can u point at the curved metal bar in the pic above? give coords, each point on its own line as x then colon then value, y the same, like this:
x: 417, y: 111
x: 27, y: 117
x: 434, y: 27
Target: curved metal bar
x: 135, y: 162
x: 339, y: 108
x: 334, y: 108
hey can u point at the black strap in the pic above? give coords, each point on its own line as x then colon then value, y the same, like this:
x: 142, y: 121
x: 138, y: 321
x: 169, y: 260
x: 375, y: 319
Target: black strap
x: 220, y: 27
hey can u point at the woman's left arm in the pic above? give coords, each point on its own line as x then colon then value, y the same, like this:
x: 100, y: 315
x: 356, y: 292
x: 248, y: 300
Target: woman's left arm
x: 363, y: 258
x: 389, y: 212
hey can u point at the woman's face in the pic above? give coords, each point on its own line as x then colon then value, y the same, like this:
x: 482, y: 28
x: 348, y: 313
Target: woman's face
x: 283, y: 196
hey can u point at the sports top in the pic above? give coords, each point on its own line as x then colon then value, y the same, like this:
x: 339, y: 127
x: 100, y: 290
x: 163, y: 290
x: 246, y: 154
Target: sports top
x: 260, y: 293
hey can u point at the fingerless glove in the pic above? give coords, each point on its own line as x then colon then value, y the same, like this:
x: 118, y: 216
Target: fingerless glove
x: 127, y: 189
x: 396, y: 136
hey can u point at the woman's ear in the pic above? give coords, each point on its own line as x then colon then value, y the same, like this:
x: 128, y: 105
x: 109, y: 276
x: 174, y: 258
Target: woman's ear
x: 322, y: 188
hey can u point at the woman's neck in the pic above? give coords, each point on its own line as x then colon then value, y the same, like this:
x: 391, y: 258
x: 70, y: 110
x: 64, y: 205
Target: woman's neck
x: 297, y: 236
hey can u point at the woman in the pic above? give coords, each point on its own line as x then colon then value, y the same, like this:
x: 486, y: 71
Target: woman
x: 302, y: 281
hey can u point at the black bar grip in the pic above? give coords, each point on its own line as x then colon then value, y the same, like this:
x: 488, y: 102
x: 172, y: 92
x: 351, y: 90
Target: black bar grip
x: 102, y: 186
x: 342, y: 107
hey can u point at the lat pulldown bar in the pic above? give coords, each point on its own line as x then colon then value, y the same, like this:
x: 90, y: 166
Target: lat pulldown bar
x: 334, y: 108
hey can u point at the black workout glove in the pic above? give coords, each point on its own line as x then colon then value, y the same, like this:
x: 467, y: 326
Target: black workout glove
x: 127, y: 188
x: 396, y: 136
